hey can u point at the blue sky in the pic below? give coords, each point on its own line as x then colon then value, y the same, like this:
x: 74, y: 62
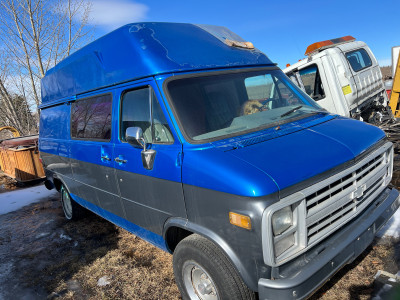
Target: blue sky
x: 281, y: 29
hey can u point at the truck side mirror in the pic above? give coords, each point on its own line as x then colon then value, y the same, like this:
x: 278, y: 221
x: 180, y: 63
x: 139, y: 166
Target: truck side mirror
x: 134, y: 136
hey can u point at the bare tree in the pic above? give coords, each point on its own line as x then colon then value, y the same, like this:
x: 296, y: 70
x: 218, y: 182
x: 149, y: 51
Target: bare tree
x: 34, y: 36
x: 8, y: 107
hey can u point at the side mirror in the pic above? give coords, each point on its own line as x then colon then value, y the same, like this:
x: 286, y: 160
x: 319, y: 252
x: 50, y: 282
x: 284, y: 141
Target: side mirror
x: 134, y: 136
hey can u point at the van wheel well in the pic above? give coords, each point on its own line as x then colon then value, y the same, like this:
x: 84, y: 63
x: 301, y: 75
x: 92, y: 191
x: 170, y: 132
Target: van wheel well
x: 174, y: 235
x: 57, y: 183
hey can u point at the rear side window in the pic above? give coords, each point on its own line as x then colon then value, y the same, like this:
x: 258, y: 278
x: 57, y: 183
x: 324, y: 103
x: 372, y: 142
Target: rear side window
x: 91, y: 118
x: 312, y: 82
x: 359, y: 59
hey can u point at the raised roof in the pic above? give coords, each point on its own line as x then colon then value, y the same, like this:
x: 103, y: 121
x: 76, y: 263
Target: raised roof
x: 140, y: 50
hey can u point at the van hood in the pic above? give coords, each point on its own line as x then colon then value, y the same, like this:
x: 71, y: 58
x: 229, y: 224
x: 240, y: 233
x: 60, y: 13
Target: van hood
x: 269, y: 161
x: 295, y: 157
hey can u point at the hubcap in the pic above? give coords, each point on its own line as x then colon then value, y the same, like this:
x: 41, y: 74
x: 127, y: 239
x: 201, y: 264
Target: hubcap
x: 66, y: 203
x: 198, y: 283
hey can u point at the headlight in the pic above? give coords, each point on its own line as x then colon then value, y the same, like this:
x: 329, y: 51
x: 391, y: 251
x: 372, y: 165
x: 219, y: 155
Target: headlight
x: 282, y: 220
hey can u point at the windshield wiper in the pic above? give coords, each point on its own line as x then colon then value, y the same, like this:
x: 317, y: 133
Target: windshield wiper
x: 291, y: 111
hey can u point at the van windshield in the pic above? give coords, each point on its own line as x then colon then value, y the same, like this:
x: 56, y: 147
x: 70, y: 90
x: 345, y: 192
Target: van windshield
x: 222, y: 105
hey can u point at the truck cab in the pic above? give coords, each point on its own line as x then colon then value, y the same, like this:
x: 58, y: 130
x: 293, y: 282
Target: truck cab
x: 344, y: 77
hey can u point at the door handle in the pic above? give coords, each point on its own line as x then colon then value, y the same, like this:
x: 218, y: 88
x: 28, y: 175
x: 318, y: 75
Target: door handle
x: 105, y: 157
x: 120, y: 161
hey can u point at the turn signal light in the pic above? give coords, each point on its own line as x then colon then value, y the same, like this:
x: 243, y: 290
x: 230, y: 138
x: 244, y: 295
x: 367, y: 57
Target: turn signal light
x: 240, y: 220
x: 328, y: 43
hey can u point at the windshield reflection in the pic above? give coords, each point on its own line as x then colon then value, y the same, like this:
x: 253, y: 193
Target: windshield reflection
x: 217, y: 106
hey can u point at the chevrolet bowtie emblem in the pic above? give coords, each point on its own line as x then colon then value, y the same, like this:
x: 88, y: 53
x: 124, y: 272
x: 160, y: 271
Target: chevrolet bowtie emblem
x: 359, y: 192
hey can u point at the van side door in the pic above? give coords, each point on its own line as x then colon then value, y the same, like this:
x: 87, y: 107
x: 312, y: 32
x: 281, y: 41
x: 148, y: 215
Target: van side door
x: 150, y: 193
x: 92, y: 152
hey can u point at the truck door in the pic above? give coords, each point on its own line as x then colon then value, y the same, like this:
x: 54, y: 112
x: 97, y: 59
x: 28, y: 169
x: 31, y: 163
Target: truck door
x: 365, y: 72
x: 149, y: 193
x: 315, y: 85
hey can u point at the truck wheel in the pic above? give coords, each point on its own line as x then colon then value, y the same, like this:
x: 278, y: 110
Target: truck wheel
x: 202, y: 271
x: 72, y: 210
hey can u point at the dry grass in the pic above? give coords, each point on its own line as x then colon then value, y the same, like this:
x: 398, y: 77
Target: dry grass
x: 134, y: 268
x: 137, y: 270
x: 62, y: 259
x: 356, y: 281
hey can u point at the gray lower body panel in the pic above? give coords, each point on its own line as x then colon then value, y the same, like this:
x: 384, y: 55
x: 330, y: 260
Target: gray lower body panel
x: 142, y: 200
x: 303, y: 275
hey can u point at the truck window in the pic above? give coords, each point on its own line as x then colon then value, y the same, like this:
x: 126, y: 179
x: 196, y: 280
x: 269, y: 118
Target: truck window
x: 91, y: 118
x: 312, y: 82
x: 136, y: 112
x: 270, y: 92
x: 359, y: 59
x: 293, y: 78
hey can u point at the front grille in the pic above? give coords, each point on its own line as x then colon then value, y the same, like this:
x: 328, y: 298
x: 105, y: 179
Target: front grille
x: 334, y: 204
x: 324, y: 207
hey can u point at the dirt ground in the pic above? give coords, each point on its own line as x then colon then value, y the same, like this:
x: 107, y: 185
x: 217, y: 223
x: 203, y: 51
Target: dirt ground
x: 43, y: 256
x: 7, y: 183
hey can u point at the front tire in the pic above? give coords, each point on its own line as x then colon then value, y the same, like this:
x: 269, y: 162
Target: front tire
x: 202, y: 271
x: 72, y: 210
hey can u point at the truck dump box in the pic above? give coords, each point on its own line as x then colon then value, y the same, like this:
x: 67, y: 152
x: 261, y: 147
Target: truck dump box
x: 19, y: 158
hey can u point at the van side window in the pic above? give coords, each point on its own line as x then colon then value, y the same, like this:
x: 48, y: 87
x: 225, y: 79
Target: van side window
x: 91, y: 118
x: 136, y: 112
x: 359, y: 59
x: 312, y: 82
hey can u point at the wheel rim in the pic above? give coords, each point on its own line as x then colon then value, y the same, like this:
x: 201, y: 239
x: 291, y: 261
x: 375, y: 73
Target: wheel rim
x: 66, y: 203
x: 198, y: 282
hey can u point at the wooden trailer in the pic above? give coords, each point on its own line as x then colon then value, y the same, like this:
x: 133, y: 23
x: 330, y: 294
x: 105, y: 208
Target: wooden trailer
x: 19, y: 158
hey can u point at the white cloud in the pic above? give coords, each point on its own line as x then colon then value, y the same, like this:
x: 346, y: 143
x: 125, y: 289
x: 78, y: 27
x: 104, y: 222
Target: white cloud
x: 112, y: 14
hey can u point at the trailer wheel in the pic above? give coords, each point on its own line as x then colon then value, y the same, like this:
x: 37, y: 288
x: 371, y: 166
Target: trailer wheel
x: 72, y: 210
x: 202, y: 271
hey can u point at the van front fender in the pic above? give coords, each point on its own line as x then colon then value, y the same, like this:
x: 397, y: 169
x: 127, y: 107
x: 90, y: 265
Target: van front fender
x: 217, y: 240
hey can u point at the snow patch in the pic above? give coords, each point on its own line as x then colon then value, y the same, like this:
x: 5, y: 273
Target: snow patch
x: 392, y: 228
x: 14, y: 200
x: 41, y: 235
x: 103, y: 281
x: 66, y: 237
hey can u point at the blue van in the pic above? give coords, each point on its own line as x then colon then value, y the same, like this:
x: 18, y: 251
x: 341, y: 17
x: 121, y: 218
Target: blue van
x: 192, y: 139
